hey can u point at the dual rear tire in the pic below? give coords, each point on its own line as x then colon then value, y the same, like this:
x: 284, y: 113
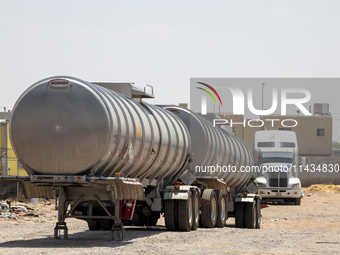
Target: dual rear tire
x: 209, y: 209
x: 222, y: 212
x: 248, y: 215
x: 182, y: 214
x: 214, y: 213
x: 185, y: 215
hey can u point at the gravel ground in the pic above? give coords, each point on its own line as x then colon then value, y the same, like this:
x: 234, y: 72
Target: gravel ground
x: 311, y: 228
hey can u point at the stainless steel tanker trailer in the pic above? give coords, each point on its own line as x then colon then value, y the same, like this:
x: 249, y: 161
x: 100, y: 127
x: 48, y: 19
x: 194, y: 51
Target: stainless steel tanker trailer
x: 113, y: 161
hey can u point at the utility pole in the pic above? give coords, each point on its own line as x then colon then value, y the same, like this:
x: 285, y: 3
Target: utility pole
x: 262, y: 95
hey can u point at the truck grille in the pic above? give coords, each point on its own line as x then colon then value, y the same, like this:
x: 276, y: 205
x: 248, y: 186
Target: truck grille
x: 278, y: 179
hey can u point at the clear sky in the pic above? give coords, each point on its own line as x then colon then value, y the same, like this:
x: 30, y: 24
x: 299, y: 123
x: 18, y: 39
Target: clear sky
x: 164, y: 43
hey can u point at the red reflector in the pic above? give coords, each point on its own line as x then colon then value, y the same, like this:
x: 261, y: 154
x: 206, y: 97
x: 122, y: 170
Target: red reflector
x: 263, y: 206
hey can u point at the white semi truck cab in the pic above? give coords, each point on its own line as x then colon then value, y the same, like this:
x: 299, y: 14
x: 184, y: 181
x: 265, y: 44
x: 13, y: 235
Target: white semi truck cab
x: 276, y: 153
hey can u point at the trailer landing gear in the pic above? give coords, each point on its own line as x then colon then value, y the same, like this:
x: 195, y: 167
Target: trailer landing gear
x: 61, y: 224
x: 120, y: 231
x: 118, y: 225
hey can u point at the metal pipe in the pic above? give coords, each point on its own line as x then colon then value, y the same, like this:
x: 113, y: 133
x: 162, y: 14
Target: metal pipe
x: 146, y: 85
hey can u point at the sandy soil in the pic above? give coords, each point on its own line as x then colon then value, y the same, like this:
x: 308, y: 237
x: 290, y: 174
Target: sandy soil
x: 312, y: 228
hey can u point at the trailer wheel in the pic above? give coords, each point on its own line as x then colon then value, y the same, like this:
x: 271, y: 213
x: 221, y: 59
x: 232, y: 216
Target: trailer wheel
x: 169, y: 214
x: 221, y: 209
x: 153, y: 219
x: 185, y: 213
x: 239, y: 215
x: 93, y: 224
x: 251, y: 215
x: 209, y: 210
x: 195, y: 210
x: 297, y: 201
x: 106, y: 224
x: 136, y: 221
x: 258, y: 213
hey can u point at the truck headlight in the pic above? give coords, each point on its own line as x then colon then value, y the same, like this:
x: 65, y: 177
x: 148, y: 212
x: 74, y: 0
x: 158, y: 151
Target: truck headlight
x: 262, y: 185
x: 295, y: 186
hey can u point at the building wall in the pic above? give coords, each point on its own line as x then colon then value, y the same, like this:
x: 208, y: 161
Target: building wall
x: 238, y: 128
x: 249, y: 133
x: 306, y: 131
x: 325, y: 175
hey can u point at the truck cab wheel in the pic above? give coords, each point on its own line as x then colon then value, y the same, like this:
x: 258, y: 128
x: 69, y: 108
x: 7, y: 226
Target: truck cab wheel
x: 297, y: 201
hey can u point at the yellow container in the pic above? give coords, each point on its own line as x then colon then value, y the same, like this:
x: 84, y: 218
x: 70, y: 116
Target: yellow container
x: 14, y: 168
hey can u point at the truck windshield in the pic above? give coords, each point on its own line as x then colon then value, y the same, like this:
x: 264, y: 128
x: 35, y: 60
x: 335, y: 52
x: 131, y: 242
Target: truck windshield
x: 287, y: 145
x: 266, y: 144
x: 277, y: 160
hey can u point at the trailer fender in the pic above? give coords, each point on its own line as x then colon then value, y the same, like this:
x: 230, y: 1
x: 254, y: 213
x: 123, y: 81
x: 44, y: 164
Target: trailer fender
x: 245, y: 199
x: 169, y: 195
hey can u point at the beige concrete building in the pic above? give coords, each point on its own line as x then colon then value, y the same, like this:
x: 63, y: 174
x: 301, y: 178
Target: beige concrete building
x: 314, y: 133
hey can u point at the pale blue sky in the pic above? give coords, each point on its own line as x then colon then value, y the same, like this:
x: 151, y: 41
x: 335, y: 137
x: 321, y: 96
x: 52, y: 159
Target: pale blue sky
x: 164, y: 43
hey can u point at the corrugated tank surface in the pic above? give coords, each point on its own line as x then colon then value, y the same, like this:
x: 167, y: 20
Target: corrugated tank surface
x: 213, y: 146
x: 63, y: 125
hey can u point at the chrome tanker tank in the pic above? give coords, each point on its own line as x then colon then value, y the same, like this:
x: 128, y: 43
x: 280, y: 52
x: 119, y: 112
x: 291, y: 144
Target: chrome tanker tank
x: 63, y: 125
x: 214, y: 147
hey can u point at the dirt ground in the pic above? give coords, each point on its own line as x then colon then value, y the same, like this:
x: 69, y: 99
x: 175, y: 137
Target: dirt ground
x: 311, y: 228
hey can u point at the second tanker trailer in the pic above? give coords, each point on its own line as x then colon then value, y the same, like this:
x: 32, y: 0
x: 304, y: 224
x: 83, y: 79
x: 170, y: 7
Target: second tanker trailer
x: 111, y: 160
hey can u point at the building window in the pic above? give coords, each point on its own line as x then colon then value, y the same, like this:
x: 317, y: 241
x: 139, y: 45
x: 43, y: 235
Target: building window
x: 286, y: 129
x: 320, y: 132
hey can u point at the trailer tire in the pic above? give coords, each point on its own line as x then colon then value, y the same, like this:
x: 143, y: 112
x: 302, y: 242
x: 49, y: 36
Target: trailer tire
x: 169, y: 215
x: 136, y: 220
x: 251, y: 215
x: 258, y: 213
x: 93, y: 225
x: 185, y: 213
x: 209, y: 210
x: 221, y: 209
x: 297, y: 201
x: 195, y: 210
x: 106, y: 224
x: 239, y: 215
x: 153, y: 219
